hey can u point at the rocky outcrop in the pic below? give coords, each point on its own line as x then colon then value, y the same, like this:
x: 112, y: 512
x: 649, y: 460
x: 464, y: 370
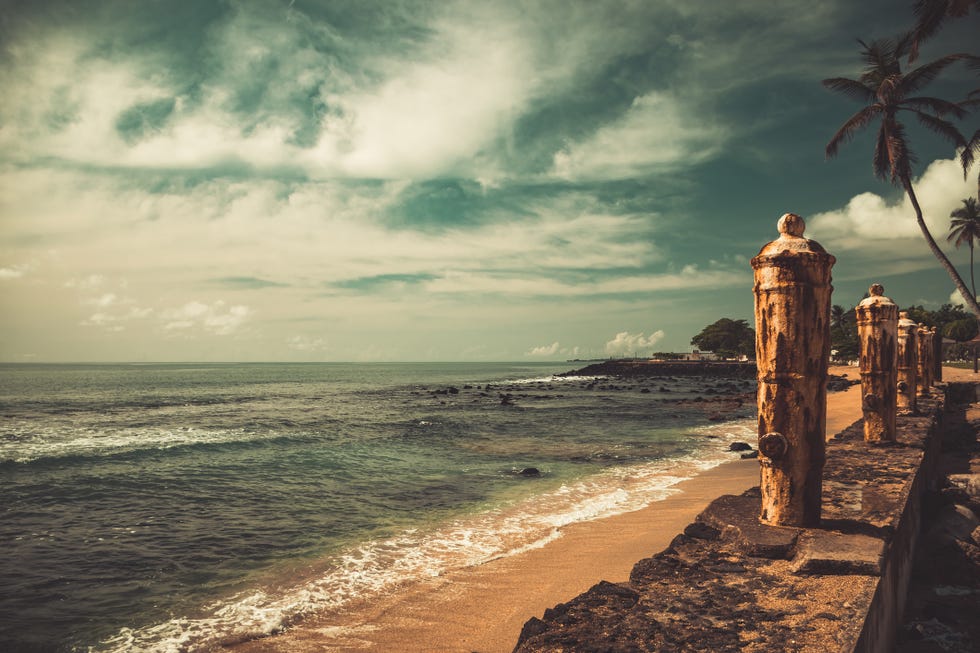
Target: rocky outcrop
x: 730, y: 583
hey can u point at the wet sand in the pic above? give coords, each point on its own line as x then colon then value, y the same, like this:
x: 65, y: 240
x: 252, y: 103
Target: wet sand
x: 483, y: 608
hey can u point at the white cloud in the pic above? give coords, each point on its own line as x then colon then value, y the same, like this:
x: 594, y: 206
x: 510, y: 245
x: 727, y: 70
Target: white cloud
x: 12, y: 272
x: 956, y: 299
x: 869, y: 219
x: 657, y: 130
x: 117, y: 321
x: 213, y: 318
x: 628, y: 344
x: 306, y: 343
x: 544, y: 350
x: 88, y: 282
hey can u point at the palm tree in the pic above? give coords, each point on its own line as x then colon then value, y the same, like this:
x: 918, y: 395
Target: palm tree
x: 930, y: 16
x: 838, y: 316
x: 972, y: 149
x: 965, y: 228
x: 887, y: 91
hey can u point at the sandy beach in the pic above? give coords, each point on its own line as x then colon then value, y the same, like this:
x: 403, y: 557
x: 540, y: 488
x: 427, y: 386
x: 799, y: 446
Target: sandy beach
x: 483, y: 608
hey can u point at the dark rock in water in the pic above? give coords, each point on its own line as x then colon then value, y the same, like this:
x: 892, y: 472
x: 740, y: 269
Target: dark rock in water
x: 837, y: 383
x: 507, y: 400
x: 530, y: 472
x: 740, y: 446
x: 645, y: 391
x: 750, y: 454
x: 716, y: 418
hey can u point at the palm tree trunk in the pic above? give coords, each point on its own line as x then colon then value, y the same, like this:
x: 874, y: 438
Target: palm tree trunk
x: 971, y: 299
x: 973, y: 281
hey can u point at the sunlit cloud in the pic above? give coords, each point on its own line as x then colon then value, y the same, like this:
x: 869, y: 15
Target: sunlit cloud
x: 631, y: 344
x: 213, y: 318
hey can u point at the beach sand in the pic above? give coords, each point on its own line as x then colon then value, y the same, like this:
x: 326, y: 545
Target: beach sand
x: 483, y: 608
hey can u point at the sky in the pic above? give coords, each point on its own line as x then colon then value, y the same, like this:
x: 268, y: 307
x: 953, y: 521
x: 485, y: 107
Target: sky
x: 436, y: 180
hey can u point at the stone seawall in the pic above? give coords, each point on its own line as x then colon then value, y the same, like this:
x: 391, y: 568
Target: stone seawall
x: 729, y: 583
x: 646, y: 368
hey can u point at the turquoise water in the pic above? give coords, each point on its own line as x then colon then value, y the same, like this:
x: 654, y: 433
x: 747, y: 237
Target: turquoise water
x: 160, y: 507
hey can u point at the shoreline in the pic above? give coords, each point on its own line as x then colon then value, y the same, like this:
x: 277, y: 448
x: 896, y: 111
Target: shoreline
x: 483, y: 608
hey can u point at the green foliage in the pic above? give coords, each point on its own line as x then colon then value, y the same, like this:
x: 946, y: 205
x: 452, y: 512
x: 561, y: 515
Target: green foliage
x: 666, y: 356
x: 727, y: 338
x: 961, y: 330
x: 844, y: 343
x: 946, y: 314
x: 952, y: 322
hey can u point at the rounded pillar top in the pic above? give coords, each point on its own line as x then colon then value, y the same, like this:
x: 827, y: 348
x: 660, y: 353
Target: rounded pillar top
x: 905, y: 321
x: 791, y: 225
x: 877, y: 296
x: 791, y: 241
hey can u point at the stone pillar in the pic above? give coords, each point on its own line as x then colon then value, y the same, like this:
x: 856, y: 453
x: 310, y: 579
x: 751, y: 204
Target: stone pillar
x: 937, y: 357
x: 792, y: 345
x: 923, y: 365
x: 877, y: 322
x: 907, y: 362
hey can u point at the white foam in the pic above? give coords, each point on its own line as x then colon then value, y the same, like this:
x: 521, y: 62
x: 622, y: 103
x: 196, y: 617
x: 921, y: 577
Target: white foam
x: 24, y: 443
x: 381, y: 566
x: 552, y: 380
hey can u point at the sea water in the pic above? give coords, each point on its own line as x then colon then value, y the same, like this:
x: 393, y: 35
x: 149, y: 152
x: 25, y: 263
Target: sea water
x: 168, y: 507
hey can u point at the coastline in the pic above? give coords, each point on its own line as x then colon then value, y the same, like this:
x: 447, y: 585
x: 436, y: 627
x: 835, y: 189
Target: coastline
x: 482, y: 609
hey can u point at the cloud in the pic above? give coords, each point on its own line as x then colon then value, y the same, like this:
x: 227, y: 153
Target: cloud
x: 213, y: 318
x: 657, y: 131
x: 306, y: 343
x: 116, y: 321
x: 872, y: 223
x: 629, y: 344
x: 956, y: 299
x: 544, y: 350
x: 12, y: 272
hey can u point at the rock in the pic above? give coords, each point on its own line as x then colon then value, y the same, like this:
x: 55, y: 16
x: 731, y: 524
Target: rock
x: 824, y: 552
x: 530, y: 472
x: 956, y: 521
x: 739, y: 446
x: 532, y: 627
x: 749, y: 455
x: 716, y: 418
x: 838, y: 383
x: 969, y: 484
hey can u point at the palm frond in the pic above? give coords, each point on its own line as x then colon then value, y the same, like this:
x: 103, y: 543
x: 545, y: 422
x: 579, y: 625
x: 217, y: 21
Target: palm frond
x: 970, y: 211
x: 880, y: 61
x: 936, y: 105
x: 969, y: 153
x: 921, y: 76
x: 851, y: 88
x: 942, y: 127
x: 854, y: 124
x: 929, y: 16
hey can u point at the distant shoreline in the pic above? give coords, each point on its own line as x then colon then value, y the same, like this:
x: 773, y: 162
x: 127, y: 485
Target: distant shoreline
x: 644, y: 368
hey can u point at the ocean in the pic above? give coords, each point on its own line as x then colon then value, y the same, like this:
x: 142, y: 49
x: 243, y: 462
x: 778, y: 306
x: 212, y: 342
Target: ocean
x: 168, y: 507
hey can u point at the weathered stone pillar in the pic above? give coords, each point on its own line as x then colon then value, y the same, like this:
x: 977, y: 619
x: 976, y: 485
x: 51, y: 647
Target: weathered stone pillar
x: 792, y: 346
x: 924, y: 364
x: 877, y: 322
x: 937, y: 357
x: 907, y: 361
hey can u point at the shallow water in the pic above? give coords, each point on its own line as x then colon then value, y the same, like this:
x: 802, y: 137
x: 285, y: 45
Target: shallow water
x: 163, y: 507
